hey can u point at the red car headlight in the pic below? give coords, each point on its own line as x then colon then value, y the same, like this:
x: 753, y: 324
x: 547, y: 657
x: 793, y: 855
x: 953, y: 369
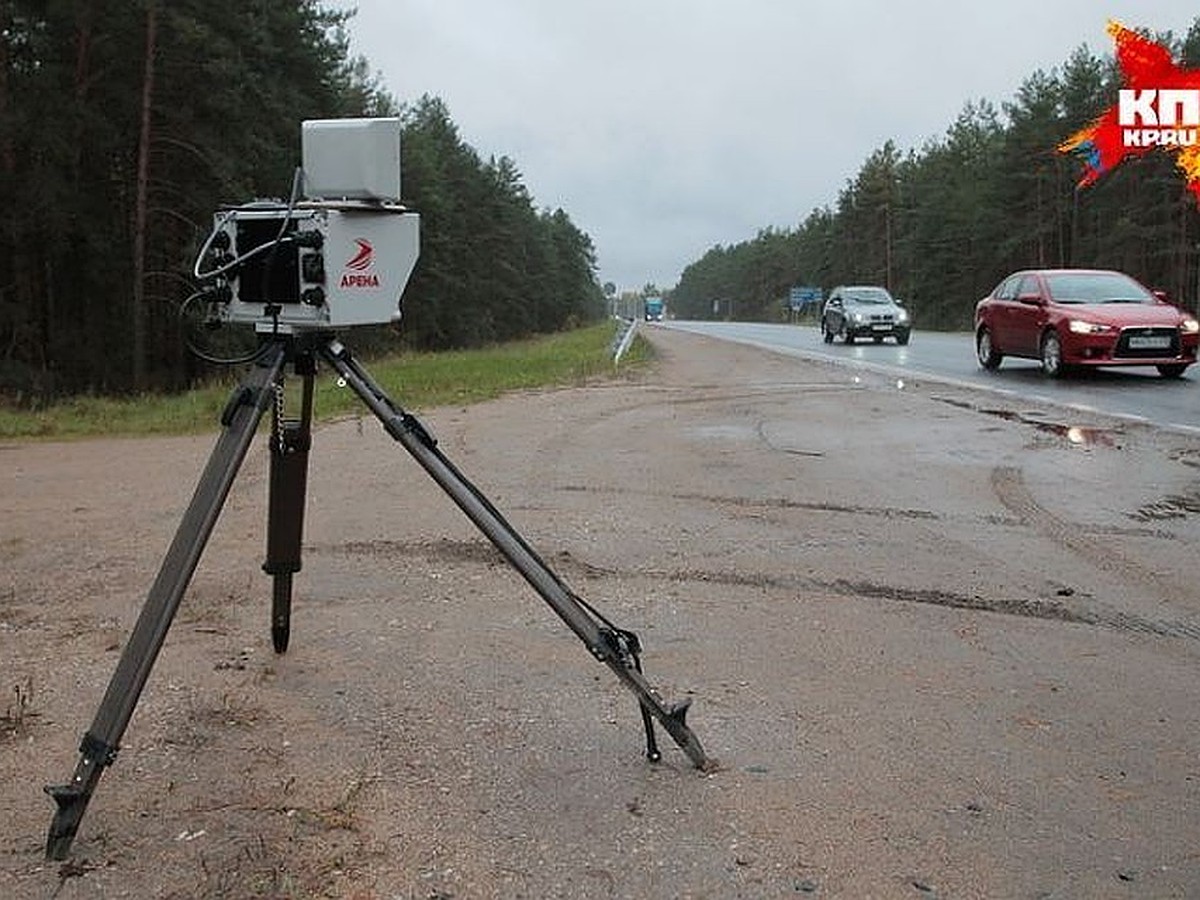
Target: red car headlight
x: 1080, y: 327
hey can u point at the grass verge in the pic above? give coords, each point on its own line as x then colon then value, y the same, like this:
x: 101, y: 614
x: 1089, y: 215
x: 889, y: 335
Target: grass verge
x: 414, y: 380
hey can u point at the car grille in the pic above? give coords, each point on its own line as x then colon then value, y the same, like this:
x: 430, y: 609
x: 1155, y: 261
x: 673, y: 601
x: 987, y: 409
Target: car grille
x: 880, y: 317
x: 1130, y: 337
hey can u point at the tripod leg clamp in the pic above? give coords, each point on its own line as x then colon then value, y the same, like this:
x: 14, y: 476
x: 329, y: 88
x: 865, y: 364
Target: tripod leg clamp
x: 241, y: 396
x: 95, y: 749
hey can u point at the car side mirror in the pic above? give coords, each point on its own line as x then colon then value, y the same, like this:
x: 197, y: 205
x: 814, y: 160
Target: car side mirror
x: 1030, y: 299
x: 1163, y: 297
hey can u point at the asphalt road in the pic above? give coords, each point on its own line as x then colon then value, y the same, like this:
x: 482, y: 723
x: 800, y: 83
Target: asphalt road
x: 1136, y: 394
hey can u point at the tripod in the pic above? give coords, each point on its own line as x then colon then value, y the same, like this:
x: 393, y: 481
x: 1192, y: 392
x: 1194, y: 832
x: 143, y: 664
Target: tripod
x: 290, y: 442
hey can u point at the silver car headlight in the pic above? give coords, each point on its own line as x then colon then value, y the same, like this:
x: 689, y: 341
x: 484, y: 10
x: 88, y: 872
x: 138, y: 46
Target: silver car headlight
x: 902, y: 316
x: 856, y: 318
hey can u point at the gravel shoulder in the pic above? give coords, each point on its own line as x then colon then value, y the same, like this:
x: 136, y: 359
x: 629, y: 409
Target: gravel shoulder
x: 944, y: 645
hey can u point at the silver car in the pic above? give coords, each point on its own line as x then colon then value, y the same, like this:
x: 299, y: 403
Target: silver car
x: 864, y: 311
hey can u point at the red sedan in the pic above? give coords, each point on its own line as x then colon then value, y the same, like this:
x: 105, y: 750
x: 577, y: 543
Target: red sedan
x: 1070, y: 318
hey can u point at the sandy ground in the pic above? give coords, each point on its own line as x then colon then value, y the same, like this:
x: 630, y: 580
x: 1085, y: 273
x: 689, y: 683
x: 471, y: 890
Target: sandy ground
x: 943, y: 645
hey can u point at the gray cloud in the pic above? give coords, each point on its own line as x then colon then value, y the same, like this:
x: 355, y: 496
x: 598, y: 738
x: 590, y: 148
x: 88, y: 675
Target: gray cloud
x: 666, y: 127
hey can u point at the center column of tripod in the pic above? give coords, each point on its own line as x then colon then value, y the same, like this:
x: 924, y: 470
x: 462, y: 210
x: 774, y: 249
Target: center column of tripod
x: 291, y: 440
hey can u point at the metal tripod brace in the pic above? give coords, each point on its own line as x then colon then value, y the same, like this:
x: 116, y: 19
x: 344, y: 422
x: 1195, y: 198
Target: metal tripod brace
x: 290, y: 442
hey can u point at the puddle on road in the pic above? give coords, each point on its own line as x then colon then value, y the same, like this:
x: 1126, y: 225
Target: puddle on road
x: 1075, y: 435
x: 1172, y: 506
x: 1078, y: 435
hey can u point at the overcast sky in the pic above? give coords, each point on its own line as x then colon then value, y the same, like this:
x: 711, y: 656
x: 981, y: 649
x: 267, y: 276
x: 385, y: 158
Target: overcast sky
x: 665, y: 127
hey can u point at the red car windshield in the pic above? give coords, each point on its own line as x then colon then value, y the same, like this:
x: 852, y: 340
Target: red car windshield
x: 1096, y: 287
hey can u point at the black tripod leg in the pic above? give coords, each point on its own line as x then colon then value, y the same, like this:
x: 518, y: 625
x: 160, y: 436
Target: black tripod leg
x: 617, y: 648
x: 102, y: 741
x: 291, y: 440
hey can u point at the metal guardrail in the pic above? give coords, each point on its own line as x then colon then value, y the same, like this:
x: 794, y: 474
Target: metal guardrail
x: 623, y: 338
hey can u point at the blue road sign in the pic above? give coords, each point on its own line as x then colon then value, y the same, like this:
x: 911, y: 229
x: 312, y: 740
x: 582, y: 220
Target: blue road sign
x: 802, y: 296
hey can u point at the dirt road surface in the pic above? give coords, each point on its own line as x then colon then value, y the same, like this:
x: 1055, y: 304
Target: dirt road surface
x: 944, y: 644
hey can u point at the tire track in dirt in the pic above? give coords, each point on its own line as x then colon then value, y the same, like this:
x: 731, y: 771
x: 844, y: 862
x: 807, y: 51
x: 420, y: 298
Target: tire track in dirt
x: 480, y: 552
x: 653, y: 399
x: 1008, y: 484
x: 885, y: 512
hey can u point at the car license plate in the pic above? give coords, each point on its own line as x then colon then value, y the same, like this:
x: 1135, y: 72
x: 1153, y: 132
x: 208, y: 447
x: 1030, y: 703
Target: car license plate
x: 1154, y: 342
x: 882, y: 326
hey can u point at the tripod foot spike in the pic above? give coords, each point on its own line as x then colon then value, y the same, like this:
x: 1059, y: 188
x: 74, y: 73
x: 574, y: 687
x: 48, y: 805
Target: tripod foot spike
x: 281, y: 612
x: 71, y: 801
x: 675, y: 722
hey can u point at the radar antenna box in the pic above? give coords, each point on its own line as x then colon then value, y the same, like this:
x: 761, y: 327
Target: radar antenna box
x: 351, y: 159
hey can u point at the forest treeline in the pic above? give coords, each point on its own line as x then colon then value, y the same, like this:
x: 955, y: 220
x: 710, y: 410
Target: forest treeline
x: 942, y: 224
x: 125, y: 126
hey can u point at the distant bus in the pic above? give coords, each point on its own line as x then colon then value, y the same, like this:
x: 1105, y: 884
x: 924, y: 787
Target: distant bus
x: 654, y: 309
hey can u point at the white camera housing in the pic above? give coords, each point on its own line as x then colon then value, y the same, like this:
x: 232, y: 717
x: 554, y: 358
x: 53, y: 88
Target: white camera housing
x: 338, y: 265
x: 342, y: 256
